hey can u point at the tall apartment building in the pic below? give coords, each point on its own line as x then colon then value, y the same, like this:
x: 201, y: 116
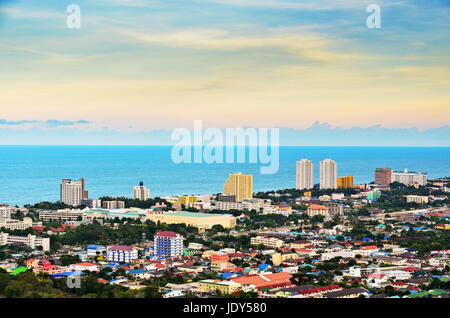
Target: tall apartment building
x: 335, y: 209
x: 305, y: 174
x: 111, y: 205
x: 328, y: 174
x: 6, y: 210
x: 409, y: 178
x: 140, y: 192
x: 345, y: 182
x: 85, y: 193
x: 241, y: 185
x: 383, y: 176
x: 168, y: 244
x: 72, y: 192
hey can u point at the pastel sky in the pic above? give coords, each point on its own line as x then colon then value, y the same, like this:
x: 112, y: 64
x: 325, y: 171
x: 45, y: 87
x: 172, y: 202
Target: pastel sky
x: 138, y: 66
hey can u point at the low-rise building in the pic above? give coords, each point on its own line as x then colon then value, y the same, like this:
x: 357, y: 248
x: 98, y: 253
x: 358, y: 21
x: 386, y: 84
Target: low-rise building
x: 120, y: 253
x: 270, y: 242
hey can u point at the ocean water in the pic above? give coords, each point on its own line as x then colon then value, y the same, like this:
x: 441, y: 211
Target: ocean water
x: 30, y: 174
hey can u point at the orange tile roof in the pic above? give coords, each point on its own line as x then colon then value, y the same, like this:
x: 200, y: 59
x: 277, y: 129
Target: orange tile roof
x: 317, y: 207
x: 268, y: 280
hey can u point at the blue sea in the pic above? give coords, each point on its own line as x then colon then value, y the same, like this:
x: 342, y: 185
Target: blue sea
x: 30, y: 174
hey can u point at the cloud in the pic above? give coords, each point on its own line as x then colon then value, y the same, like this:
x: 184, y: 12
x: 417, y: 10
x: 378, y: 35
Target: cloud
x: 316, y: 5
x: 56, y: 123
x: 318, y: 134
x: 17, y: 122
x: 51, y: 123
x: 298, y: 41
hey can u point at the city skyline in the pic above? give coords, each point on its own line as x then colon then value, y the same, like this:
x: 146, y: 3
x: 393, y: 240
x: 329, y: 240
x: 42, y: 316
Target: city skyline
x: 172, y: 63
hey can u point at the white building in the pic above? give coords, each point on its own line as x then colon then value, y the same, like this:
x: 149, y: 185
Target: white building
x: 72, y: 191
x: 328, y: 174
x: 6, y: 210
x: 305, y: 174
x: 120, y: 253
x: 271, y: 242
x: 345, y: 253
x: 84, y: 267
x: 12, y: 224
x: 111, y: 205
x: 409, y: 178
x: 95, y: 250
x: 416, y: 198
x: 168, y: 244
x: 31, y: 240
x: 140, y: 192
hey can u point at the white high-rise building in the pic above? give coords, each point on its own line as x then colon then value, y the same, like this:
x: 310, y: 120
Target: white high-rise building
x: 409, y: 178
x: 72, y: 191
x: 328, y: 174
x: 305, y: 174
x: 140, y: 192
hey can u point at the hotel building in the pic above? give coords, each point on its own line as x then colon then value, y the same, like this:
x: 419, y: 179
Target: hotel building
x: 111, y: 205
x: 72, y: 192
x: 305, y: 174
x: 328, y: 174
x: 409, y: 178
x: 120, y: 253
x: 383, y: 176
x: 168, y: 244
x: 345, y: 182
x: 241, y: 185
x: 140, y: 192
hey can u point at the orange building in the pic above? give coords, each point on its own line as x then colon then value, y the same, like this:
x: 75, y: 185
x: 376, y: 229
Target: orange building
x: 345, y: 182
x: 219, y: 257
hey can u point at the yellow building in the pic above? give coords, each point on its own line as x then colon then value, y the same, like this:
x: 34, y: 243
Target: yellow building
x: 345, y: 182
x: 187, y: 199
x: 279, y: 258
x: 199, y: 220
x: 220, y: 266
x: 307, y: 194
x: 241, y: 185
x: 443, y: 226
x: 225, y: 287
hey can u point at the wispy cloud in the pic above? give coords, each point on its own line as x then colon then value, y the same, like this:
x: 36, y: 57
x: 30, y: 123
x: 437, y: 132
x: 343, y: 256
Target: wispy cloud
x: 51, y: 123
x: 318, y: 134
x: 17, y: 122
x: 305, y: 4
x: 297, y: 41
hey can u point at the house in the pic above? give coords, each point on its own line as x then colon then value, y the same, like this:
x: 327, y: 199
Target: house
x: 349, y: 293
x: 377, y: 280
x: 139, y: 273
x: 84, y: 267
x: 176, y: 293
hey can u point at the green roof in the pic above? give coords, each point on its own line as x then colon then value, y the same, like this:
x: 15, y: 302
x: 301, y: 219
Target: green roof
x: 18, y: 270
x: 431, y: 292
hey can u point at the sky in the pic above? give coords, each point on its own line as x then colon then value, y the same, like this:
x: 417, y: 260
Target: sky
x: 135, y: 70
